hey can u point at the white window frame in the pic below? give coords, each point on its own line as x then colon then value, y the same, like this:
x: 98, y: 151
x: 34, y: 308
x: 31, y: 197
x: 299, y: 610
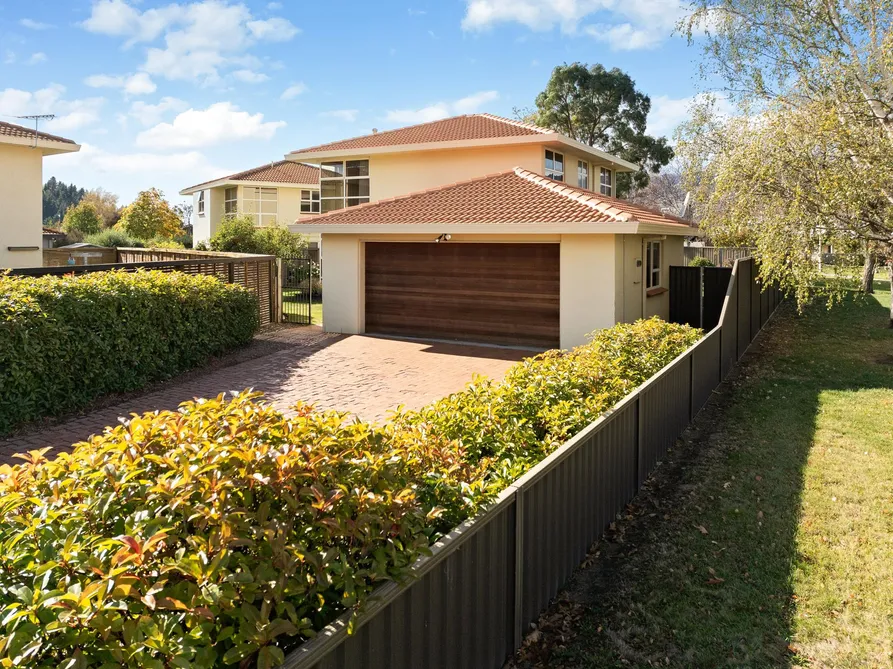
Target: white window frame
x: 310, y: 202
x: 201, y: 203
x: 653, y: 275
x: 255, y: 195
x: 333, y: 203
x: 606, y: 187
x: 554, y: 173
x: 583, y: 174
x: 234, y: 201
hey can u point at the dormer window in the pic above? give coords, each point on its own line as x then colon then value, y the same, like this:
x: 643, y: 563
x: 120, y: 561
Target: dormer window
x: 606, y: 182
x: 343, y: 184
x: 201, y: 203
x: 554, y: 165
x: 583, y: 174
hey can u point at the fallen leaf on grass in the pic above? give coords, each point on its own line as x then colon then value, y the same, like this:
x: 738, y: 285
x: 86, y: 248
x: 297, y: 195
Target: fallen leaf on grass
x: 701, y: 529
x: 715, y: 581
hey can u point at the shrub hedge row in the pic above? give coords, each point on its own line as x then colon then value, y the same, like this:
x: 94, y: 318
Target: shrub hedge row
x: 226, y: 533
x: 66, y: 340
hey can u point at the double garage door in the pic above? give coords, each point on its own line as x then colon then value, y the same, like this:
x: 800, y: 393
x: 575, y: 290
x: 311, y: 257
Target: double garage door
x: 490, y: 293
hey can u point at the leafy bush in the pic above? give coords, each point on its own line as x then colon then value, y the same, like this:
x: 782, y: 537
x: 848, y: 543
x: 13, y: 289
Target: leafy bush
x: 227, y: 533
x: 239, y: 234
x: 113, y: 239
x: 701, y: 261
x: 67, y: 340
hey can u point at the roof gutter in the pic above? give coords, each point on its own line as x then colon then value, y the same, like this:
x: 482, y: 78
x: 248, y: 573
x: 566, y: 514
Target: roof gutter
x: 571, y: 228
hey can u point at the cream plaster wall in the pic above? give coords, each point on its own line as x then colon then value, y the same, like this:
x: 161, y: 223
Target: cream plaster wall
x: 21, y: 223
x: 587, y: 286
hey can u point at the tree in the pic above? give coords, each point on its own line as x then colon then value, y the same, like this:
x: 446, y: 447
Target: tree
x: 57, y: 198
x: 831, y: 58
x: 149, y: 216
x: 239, y: 234
x: 106, y: 205
x: 665, y: 192
x: 603, y: 108
x: 81, y: 220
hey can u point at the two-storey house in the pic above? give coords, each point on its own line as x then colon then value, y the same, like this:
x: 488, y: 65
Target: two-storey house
x: 484, y: 229
x: 280, y: 192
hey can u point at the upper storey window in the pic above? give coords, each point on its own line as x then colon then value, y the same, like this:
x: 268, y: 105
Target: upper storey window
x: 343, y: 183
x: 583, y: 174
x: 606, y: 183
x: 554, y: 165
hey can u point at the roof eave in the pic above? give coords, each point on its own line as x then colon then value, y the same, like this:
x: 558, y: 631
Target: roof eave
x: 48, y: 147
x: 246, y: 182
x: 633, y: 227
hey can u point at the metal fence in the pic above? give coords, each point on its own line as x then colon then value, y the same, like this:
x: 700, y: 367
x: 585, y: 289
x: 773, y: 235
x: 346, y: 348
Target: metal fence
x: 697, y: 295
x: 718, y: 255
x: 470, y: 602
x: 257, y: 273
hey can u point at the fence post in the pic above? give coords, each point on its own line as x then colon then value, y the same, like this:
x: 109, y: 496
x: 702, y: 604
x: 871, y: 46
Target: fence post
x: 519, y: 571
x: 276, y: 293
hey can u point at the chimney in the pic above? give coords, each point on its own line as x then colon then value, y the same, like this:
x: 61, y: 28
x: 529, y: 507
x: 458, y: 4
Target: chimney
x: 374, y: 131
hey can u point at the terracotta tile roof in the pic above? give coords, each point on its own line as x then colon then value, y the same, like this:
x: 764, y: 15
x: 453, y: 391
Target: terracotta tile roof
x: 516, y: 196
x: 13, y: 130
x: 52, y: 231
x: 283, y: 172
x: 458, y: 128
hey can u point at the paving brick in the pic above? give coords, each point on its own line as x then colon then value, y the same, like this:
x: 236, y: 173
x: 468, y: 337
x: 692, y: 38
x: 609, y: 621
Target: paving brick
x: 366, y: 376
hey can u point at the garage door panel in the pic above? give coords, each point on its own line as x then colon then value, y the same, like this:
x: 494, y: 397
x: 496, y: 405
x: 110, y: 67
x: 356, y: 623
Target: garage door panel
x: 498, y: 293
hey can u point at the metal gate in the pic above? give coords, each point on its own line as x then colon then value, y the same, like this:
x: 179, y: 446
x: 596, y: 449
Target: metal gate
x: 300, y: 290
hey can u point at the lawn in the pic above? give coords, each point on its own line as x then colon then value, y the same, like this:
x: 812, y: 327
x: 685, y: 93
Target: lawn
x: 290, y: 297
x: 766, y: 540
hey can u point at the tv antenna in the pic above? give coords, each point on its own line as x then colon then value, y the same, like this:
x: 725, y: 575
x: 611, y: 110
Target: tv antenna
x: 37, y: 118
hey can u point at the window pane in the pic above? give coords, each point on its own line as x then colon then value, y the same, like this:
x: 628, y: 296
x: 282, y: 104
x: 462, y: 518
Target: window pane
x: 655, y: 256
x: 559, y: 162
x: 550, y: 164
x: 249, y: 206
x: 268, y: 193
x: 332, y: 205
x: 354, y: 201
x: 305, y: 194
x: 357, y: 187
x: 315, y: 196
x: 332, y: 170
x: 358, y: 168
x: 305, y: 206
x: 332, y: 188
x: 267, y: 207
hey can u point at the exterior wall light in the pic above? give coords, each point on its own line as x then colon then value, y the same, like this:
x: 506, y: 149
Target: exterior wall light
x: 445, y: 237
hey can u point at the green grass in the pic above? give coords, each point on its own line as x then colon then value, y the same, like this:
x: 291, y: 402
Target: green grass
x: 315, y: 307
x: 767, y: 538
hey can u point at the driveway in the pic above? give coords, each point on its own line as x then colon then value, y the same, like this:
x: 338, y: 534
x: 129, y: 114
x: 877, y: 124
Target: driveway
x: 366, y: 376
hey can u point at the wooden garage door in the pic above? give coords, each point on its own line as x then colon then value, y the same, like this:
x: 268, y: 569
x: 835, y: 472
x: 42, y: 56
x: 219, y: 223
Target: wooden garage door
x: 494, y: 293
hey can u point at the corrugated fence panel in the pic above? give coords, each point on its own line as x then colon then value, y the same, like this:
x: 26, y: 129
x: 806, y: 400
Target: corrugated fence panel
x: 754, y: 303
x: 730, y: 329
x: 460, y: 613
x: 566, y: 509
x: 706, y: 370
x: 664, y: 406
x: 744, y: 303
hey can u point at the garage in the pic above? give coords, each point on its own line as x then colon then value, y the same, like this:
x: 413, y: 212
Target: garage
x: 479, y: 292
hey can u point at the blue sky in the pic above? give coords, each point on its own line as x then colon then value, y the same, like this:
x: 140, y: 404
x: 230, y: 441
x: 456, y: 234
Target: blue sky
x: 171, y: 94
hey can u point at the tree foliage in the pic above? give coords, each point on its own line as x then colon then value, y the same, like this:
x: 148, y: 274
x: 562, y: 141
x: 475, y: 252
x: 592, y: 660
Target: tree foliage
x: 106, y: 205
x: 150, y: 216
x: 239, y: 234
x: 665, y: 192
x: 57, y: 198
x: 813, y: 153
x: 603, y: 108
x: 81, y: 220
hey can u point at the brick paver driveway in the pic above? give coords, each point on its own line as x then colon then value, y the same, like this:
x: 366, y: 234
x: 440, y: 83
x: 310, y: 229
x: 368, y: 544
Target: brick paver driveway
x: 367, y: 376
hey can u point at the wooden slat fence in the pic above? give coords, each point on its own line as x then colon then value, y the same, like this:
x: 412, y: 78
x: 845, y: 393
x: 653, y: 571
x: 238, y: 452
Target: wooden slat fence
x: 258, y: 273
x: 470, y: 602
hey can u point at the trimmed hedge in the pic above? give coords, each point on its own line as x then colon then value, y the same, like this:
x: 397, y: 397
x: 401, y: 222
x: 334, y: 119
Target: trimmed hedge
x: 64, y: 341
x: 227, y: 533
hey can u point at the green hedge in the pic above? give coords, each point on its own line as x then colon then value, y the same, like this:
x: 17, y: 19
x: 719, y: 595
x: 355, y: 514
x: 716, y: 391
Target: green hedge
x: 227, y: 533
x: 64, y: 341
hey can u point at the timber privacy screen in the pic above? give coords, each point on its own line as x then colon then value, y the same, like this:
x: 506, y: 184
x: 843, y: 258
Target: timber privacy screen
x: 470, y: 603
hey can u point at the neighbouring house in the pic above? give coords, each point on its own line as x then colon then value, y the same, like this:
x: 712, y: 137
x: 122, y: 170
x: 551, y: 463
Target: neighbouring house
x: 51, y: 237
x: 280, y: 192
x: 21, y: 191
x: 484, y: 229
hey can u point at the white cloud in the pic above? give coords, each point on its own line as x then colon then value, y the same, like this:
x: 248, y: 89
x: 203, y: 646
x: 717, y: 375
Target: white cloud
x: 349, y: 115
x: 148, y: 114
x: 221, y: 122
x: 667, y: 113
x: 440, y: 110
x: 187, y: 162
x: 134, y: 84
x: 273, y: 6
x: 293, y: 91
x: 34, y: 25
x: 625, y: 25
x: 250, y: 76
x: 70, y: 114
x: 200, y: 39
x: 37, y: 57
x: 9, y: 57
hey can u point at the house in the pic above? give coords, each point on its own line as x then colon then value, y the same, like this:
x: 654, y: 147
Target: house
x: 51, y: 237
x: 484, y: 229
x: 21, y: 190
x: 280, y: 192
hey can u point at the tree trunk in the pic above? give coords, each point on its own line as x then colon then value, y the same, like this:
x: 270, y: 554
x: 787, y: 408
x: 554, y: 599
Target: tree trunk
x: 891, y: 294
x: 868, y: 273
